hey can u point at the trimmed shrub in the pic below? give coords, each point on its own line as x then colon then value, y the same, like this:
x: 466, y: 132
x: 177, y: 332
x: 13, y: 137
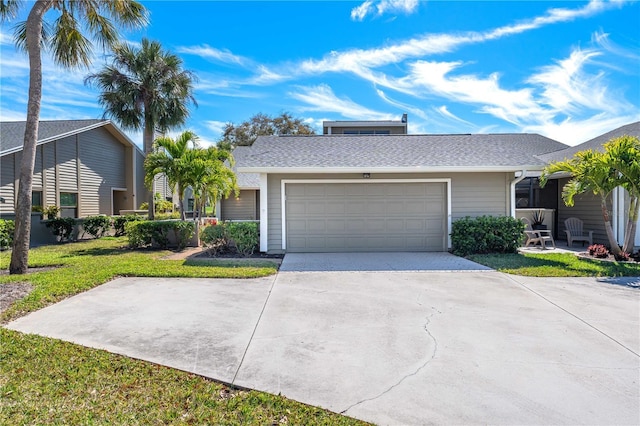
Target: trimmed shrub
x: 239, y: 237
x: 158, y: 232
x: 62, y: 228
x: 244, y: 237
x: 97, y: 226
x: 7, y: 228
x: 167, y: 216
x: 215, y: 238
x: 119, y: 223
x: 486, y: 234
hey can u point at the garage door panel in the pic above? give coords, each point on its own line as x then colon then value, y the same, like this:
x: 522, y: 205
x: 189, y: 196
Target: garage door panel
x: 366, y: 216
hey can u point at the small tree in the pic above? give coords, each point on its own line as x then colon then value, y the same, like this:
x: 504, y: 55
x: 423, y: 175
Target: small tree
x: 171, y: 157
x: 600, y: 173
x: 245, y: 133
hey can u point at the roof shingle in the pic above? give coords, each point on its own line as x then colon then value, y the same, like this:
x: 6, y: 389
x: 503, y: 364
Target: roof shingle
x: 12, y: 132
x: 398, y: 151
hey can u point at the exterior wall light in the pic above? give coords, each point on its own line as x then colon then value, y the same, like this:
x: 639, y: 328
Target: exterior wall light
x: 366, y: 175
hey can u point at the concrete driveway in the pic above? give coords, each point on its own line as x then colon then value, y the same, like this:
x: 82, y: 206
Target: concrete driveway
x: 409, y: 347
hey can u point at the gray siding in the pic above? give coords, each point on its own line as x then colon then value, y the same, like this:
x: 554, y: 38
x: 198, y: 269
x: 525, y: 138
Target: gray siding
x: 587, y: 208
x: 472, y: 194
x: 49, y: 160
x: 67, y: 164
x: 241, y: 208
x: 102, y: 168
x: 7, y: 181
x: 38, y: 170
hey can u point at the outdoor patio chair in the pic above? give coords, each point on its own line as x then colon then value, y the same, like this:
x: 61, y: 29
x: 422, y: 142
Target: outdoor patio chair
x: 574, y: 231
x: 540, y: 236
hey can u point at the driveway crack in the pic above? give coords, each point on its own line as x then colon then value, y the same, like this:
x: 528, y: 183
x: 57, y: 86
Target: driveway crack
x: 572, y: 314
x: 399, y: 382
x: 264, y: 306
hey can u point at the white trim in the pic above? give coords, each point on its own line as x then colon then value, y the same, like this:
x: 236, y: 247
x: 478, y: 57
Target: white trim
x: 264, y: 213
x: 283, y: 199
x: 397, y: 169
x: 523, y: 174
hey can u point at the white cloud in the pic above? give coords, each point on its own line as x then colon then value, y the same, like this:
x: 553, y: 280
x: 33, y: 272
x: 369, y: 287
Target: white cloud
x: 566, y: 87
x: 429, y: 44
x: 383, y: 7
x: 215, y: 126
x: 573, y: 132
x: 211, y: 53
x: 322, y: 98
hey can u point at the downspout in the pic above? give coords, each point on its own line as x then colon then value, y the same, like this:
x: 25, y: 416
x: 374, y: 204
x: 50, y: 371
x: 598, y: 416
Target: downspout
x: 523, y: 174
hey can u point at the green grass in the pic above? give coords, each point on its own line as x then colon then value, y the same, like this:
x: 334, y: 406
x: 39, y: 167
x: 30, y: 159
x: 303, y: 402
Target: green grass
x: 555, y: 265
x: 46, y: 381
x: 84, y: 265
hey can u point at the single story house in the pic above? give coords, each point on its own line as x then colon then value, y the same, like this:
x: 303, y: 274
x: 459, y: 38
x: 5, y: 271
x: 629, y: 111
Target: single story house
x: 86, y: 167
x: 384, y: 192
x: 587, y: 206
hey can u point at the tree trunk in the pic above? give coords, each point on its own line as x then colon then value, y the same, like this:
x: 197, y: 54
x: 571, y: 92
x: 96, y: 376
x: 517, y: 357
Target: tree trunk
x: 147, y: 142
x: 22, y: 236
x: 183, y: 216
x: 615, y: 248
x: 632, y: 222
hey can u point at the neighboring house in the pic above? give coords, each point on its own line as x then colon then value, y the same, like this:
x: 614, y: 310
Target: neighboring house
x: 384, y: 193
x: 391, y: 127
x: 587, y: 206
x: 86, y: 167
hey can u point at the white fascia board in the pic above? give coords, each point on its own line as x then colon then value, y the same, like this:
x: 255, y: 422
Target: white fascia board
x: 325, y: 170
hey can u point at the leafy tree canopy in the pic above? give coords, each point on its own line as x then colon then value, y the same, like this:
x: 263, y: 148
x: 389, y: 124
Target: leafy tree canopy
x: 245, y: 133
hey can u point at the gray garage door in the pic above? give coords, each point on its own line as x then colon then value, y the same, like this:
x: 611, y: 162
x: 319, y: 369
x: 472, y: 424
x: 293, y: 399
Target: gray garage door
x: 328, y: 217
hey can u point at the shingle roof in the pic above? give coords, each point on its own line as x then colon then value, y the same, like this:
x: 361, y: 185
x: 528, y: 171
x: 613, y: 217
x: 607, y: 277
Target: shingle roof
x: 245, y: 180
x: 411, y: 152
x: 596, y: 143
x: 12, y: 132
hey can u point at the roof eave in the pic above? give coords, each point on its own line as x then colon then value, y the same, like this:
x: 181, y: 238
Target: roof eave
x: 420, y: 169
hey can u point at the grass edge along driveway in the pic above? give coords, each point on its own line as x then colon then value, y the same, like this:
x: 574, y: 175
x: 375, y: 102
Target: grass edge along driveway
x: 47, y: 381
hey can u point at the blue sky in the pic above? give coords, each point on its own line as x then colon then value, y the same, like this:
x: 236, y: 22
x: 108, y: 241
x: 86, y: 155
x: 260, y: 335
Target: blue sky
x: 567, y: 70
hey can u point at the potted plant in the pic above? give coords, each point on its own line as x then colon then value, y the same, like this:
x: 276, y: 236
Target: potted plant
x: 537, y: 220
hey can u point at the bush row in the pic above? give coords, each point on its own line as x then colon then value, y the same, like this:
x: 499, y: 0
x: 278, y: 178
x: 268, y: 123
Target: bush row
x: 160, y: 233
x: 96, y: 226
x: 486, y: 234
x: 240, y: 237
x: 6, y: 233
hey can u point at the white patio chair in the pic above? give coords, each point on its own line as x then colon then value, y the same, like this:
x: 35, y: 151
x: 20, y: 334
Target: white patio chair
x: 574, y: 231
x: 540, y: 236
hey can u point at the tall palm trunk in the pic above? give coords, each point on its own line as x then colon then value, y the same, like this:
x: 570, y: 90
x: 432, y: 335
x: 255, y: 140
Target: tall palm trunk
x: 20, y: 253
x: 147, y: 144
x: 613, y: 243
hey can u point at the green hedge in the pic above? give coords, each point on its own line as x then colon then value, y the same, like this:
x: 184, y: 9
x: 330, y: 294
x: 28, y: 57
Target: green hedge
x: 62, y: 227
x: 241, y: 237
x: 7, y: 228
x: 158, y: 232
x: 119, y: 223
x: 486, y: 234
x: 97, y: 226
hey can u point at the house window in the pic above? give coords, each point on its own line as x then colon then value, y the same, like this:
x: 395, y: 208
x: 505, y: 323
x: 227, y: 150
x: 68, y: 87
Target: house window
x: 68, y: 204
x: 190, y: 202
x: 36, y: 201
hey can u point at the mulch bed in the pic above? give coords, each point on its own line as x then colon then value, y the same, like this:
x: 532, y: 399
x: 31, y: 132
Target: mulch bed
x: 12, y: 292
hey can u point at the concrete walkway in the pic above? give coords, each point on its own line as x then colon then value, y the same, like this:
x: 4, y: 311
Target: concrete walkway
x: 387, y: 347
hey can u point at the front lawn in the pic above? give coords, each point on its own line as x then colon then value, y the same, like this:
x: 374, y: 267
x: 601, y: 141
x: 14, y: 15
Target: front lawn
x: 47, y: 381
x: 84, y: 265
x: 555, y: 265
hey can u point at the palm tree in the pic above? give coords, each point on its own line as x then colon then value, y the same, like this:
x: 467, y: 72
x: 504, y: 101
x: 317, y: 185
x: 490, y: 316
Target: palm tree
x: 145, y: 89
x: 600, y: 173
x: 210, y: 177
x: 171, y: 157
x: 70, y: 48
